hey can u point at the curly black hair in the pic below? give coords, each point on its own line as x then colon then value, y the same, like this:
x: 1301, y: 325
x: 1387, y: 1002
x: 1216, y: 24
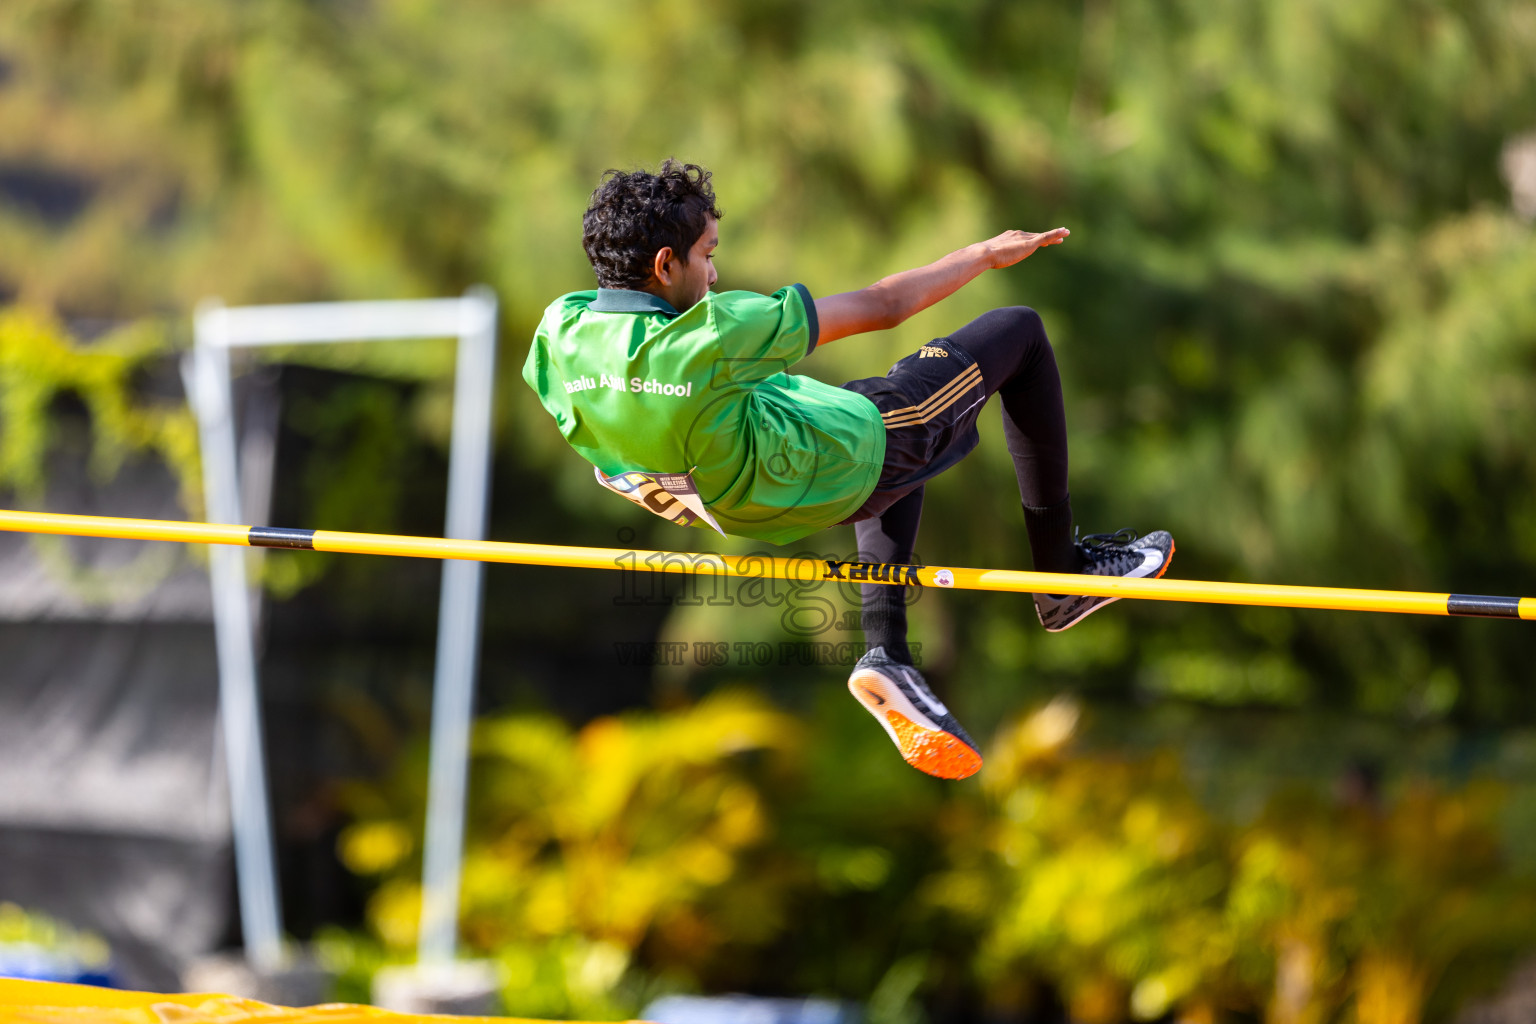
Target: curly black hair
x: 633, y: 215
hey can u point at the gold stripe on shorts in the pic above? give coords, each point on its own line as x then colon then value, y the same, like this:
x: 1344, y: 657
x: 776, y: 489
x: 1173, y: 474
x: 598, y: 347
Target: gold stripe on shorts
x: 940, y: 400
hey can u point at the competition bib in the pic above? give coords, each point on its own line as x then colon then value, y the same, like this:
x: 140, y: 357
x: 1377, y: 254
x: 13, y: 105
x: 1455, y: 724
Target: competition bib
x: 672, y: 496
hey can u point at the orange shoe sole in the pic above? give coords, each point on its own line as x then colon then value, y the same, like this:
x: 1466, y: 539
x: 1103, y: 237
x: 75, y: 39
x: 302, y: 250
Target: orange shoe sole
x: 922, y: 745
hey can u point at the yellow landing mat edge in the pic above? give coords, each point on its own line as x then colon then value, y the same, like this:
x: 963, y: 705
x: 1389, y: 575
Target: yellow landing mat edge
x: 48, y: 1002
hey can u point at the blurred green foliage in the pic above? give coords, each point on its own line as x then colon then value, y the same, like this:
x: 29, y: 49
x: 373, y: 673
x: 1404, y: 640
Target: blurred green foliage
x: 35, y: 944
x: 39, y: 363
x: 1294, y: 317
x: 1108, y: 876
x: 1295, y: 326
x: 582, y: 847
x: 694, y: 849
x: 42, y: 368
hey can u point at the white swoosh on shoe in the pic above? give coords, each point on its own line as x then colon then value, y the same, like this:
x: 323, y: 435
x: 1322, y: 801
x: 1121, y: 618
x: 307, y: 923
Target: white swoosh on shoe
x: 1151, y: 561
x: 934, y: 704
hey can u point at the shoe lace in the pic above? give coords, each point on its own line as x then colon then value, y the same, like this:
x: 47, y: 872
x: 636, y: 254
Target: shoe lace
x: 1120, y: 538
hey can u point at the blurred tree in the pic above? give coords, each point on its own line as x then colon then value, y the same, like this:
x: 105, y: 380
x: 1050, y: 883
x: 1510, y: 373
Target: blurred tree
x: 1104, y: 876
x: 39, y: 363
x: 1373, y: 902
x: 638, y: 831
x: 1294, y: 287
x: 1294, y: 322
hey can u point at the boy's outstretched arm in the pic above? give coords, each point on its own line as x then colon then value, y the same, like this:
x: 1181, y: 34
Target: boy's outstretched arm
x: 891, y: 300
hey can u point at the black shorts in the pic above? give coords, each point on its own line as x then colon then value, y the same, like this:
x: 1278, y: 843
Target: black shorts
x: 929, y: 402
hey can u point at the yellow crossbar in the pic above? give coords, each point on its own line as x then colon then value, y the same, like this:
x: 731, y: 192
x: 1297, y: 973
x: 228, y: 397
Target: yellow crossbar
x: 759, y: 566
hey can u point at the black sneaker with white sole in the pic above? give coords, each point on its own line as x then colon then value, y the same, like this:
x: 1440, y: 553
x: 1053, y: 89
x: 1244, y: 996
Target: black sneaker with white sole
x: 1106, y: 554
x: 922, y: 728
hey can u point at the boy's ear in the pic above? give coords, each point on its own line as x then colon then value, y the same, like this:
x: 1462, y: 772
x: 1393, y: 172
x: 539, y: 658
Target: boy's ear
x: 659, y: 265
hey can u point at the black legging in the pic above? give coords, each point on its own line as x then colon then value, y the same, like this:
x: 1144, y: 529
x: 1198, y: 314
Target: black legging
x: 1017, y: 364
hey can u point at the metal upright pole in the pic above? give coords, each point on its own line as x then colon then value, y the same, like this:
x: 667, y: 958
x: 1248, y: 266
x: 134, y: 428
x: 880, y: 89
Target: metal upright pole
x: 239, y: 706
x: 458, y: 637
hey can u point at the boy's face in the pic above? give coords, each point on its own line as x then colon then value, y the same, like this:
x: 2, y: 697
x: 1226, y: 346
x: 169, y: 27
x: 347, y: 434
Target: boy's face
x: 688, y: 281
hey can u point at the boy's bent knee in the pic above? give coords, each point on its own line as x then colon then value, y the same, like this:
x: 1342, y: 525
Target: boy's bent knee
x: 1006, y: 342
x: 1024, y: 319
x: 1010, y: 323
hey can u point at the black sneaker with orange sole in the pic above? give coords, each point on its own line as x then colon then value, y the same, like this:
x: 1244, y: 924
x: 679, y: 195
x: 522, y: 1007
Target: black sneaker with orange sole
x: 922, y: 728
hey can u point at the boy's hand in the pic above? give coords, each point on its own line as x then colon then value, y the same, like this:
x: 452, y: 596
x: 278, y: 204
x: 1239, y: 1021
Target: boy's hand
x: 1010, y: 247
x: 890, y: 300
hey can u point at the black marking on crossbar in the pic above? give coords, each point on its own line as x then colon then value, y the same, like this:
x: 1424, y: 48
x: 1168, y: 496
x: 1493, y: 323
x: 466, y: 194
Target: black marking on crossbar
x: 871, y: 572
x: 281, y: 537
x: 1475, y: 604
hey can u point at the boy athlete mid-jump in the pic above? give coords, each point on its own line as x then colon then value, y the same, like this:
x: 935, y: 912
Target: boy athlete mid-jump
x: 666, y: 386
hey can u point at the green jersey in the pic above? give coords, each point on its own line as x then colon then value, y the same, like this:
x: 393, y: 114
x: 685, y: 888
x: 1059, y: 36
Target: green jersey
x: 636, y: 386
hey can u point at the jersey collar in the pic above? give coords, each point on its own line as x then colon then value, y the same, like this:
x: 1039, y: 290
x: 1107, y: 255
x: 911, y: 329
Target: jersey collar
x: 622, y: 300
